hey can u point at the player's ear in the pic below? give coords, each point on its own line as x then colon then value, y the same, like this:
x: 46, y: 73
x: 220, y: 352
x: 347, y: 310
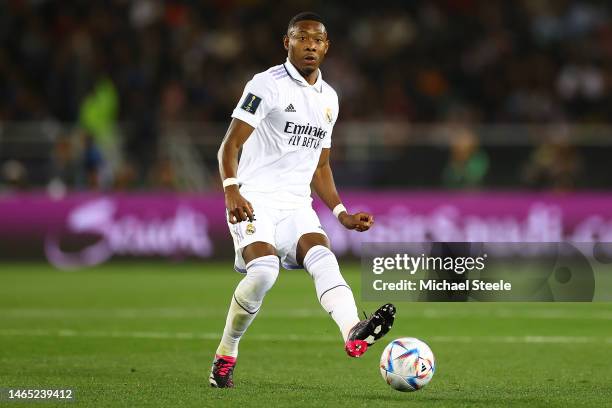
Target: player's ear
x: 286, y: 42
x: 327, y: 42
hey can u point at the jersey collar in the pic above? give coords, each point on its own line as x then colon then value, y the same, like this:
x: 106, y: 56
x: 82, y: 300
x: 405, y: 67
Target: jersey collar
x: 296, y: 76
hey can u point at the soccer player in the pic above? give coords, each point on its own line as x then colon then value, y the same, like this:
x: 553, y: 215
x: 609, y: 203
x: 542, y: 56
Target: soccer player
x: 283, y: 123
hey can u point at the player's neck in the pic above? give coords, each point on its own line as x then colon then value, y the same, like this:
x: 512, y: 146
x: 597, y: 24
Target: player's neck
x: 310, y: 78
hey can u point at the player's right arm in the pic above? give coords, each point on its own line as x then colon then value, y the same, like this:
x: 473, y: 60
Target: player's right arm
x: 257, y: 101
x: 238, y: 207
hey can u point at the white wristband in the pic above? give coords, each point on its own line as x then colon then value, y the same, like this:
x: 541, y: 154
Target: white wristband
x: 229, y: 182
x: 339, y: 209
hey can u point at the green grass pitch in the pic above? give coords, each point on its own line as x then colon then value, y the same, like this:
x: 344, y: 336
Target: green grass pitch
x: 144, y: 334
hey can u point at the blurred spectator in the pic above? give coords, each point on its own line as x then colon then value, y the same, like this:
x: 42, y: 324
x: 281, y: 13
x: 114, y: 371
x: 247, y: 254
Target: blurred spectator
x: 555, y: 164
x: 93, y: 162
x: 64, y: 169
x: 468, y: 163
x: 14, y: 175
x: 162, y: 176
x: 98, y: 116
x: 126, y: 177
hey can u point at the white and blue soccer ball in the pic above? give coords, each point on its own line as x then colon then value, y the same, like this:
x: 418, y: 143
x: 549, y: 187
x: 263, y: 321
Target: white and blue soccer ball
x: 407, y: 364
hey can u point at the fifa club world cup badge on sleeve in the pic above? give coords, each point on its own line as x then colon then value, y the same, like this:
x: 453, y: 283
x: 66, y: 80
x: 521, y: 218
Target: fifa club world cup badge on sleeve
x: 251, y: 103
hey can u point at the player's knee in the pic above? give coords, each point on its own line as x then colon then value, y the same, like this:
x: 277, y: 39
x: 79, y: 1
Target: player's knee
x: 320, y: 258
x: 257, y: 250
x: 322, y: 265
x: 261, y: 276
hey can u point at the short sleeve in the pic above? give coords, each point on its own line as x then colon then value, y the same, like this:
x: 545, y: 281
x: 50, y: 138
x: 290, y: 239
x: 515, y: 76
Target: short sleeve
x: 257, y: 100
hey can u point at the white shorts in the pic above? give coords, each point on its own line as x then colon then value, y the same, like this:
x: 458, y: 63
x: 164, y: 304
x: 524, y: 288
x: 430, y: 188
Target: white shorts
x: 280, y: 228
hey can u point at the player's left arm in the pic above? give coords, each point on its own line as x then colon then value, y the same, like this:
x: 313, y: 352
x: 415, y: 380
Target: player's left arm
x: 324, y: 186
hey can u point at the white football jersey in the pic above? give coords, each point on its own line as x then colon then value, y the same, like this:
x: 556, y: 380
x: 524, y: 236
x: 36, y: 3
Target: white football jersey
x: 293, y: 121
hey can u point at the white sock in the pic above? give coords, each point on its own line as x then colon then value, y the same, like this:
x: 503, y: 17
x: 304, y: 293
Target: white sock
x: 340, y: 304
x: 333, y: 292
x: 246, y: 301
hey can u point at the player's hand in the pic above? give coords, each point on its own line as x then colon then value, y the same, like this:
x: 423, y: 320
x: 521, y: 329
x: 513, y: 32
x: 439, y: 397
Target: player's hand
x: 360, y: 222
x: 238, y: 208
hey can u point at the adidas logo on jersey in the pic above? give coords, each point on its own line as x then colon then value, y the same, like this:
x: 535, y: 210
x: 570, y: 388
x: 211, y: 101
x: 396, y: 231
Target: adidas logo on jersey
x: 290, y: 108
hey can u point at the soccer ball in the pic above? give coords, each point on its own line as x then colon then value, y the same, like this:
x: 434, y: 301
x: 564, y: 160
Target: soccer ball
x: 407, y: 364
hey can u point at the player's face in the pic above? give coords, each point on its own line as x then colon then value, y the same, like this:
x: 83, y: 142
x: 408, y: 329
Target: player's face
x: 307, y: 45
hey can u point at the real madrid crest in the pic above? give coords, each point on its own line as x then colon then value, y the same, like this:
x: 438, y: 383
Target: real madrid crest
x: 328, y: 115
x: 250, y: 229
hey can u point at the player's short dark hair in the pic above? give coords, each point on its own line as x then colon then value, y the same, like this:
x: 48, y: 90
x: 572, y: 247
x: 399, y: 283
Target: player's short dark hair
x: 304, y: 15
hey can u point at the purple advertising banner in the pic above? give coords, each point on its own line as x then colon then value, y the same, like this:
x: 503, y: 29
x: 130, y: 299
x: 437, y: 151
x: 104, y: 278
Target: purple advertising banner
x: 87, y: 229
